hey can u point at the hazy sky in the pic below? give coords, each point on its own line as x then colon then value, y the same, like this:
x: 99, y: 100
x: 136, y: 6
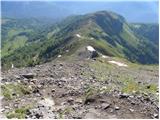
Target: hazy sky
x: 82, y: 0
x: 132, y: 10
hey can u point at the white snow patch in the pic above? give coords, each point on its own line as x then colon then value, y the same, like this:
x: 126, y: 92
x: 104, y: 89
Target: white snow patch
x: 104, y: 56
x: 90, y: 48
x: 91, y: 38
x: 59, y: 56
x: 78, y: 35
x: 118, y: 63
x: 47, y: 102
x: 12, y: 66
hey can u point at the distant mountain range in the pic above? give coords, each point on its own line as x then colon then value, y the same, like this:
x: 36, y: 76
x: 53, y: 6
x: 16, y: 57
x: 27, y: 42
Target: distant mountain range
x: 107, y: 32
x: 141, y: 12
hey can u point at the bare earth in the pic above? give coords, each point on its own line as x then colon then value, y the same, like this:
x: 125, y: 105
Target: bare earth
x: 82, y: 89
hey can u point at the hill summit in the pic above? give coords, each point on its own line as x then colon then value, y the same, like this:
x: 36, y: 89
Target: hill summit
x: 108, y: 32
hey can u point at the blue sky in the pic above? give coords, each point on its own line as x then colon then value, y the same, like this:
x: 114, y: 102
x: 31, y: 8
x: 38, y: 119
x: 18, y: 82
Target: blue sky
x: 83, y: 0
x: 132, y: 10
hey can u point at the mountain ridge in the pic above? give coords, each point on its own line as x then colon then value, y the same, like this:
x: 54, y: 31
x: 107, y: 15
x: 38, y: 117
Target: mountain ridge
x: 108, y: 32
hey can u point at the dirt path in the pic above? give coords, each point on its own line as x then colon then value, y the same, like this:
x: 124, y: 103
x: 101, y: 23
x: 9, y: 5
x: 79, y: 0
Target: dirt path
x: 74, y: 90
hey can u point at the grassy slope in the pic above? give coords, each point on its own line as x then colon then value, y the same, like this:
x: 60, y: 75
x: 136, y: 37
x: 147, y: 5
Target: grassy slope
x: 10, y: 46
x: 112, y: 36
x: 127, y: 82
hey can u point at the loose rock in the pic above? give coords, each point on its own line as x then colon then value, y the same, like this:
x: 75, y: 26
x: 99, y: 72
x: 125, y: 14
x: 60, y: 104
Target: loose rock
x: 28, y: 76
x: 105, y: 106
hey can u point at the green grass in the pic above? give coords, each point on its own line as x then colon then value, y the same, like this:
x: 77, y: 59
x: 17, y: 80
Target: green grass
x: 103, y: 47
x: 123, y: 82
x: 128, y: 35
x: 131, y: 86
x: 90, y: 91
x: 101, y: 69
x: 18, y: 89
x: 65, y: 111
x: 10, y: 46
x: 151, y: 88
x: 13, y: 32
x: 19, y: 113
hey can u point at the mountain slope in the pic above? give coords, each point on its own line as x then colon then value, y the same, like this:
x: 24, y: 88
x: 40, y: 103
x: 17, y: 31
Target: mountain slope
x: 17, y: 33
x: 107, y: 32
x: 149, y: 31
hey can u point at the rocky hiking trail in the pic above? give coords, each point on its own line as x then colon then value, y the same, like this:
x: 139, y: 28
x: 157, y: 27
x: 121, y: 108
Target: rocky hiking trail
x: 91, y: 88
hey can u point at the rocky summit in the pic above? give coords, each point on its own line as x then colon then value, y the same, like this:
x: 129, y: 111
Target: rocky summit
x: 73, y: 89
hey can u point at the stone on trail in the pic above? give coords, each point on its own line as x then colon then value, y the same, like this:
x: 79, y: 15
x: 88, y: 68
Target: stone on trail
x: 28, y: 75
x: 132, y: 110
x: 124, y: 95
x: 80, y: 101
x: 70, y: 100
x: 117, y: 108
x: 105, y: 105
x: 155, y: 115
x: 48, y: 102
x: 92, y: 52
